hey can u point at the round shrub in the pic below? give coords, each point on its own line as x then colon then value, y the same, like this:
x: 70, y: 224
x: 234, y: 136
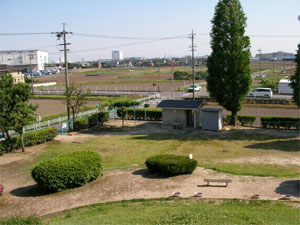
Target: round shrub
x: 67, y: 171
x: 171, y: 164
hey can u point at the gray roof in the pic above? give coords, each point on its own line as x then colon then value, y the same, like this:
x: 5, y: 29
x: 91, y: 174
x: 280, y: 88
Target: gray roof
x: 179, y: 104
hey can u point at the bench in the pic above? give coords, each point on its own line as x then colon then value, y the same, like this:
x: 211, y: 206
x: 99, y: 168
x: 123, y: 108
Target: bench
x: 218, y: 181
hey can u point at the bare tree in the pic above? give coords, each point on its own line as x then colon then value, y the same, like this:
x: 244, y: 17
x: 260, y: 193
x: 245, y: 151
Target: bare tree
x: 76, y: 99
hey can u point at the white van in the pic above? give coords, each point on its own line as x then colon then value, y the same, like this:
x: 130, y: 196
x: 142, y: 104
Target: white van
x: 261, y: 92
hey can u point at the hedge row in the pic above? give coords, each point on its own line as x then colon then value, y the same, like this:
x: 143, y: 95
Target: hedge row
x: 86, y: 122
x: 30, y: 139
x: 67, y: 171
x: 277, y: 122
x: 243, y: 119
x: 171, y: 164
x: 151, y: 114
x: 246, y: 120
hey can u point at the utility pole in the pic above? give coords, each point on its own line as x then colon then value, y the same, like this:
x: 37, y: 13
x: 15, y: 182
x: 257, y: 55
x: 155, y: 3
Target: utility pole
x: 192, y: 37
x: 158, y: 79
x: 259, y: 51
x: 273, y: 62
x: 63, y: 34
x: 172, y: 79
x: 30, y: 58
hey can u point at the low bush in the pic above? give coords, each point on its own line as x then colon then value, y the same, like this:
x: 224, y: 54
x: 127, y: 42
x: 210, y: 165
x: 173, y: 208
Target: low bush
x: 86, y: 122
x: 30, y: 139
x: 16, y: 220
x: 151, y: 114
x: 82, y: 123
x: 171, y: 164
x: 102, y: 117
x: 277, y: 122
x: 39, y: 136
x: 67, y: 171
x: 246, y: 120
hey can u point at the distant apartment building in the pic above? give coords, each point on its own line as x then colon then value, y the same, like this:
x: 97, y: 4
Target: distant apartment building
x: 21, y: 59
x: 276, y: 56
x: 117, y: 55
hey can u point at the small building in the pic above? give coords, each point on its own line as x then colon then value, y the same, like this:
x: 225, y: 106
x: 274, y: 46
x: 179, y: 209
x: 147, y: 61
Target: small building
x: 180, y: 113
x: 18, y: 77
x: 284, y: 87
x: 212, y: 119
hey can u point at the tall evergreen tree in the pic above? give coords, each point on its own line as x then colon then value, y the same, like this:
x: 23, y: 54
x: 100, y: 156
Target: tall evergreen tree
x: 229, y: 78
x: 295, y: 79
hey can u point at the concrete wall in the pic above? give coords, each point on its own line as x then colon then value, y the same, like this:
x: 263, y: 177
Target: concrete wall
x: 174, y: 116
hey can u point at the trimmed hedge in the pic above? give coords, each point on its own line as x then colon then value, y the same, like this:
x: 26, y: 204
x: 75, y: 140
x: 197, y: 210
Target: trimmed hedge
x: 277, y: 122
x: 39, y: 136
x: 30, y: 139
x: 151, y: 114
x: 67, y: 171
x: 102, y: 117
x: 171, y: 164
x: 86, y: 122
x: 246, y: 120
x: 82, y: 123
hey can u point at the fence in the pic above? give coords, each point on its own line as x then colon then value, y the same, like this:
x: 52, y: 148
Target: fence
x: 60, y: 120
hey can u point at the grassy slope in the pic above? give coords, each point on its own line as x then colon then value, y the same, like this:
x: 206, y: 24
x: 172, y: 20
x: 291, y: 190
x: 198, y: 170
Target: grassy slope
x: 130, y: 151
x: 180, y: 211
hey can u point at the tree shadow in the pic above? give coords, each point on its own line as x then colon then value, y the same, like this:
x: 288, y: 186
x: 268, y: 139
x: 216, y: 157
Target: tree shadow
x: 284, y: 145
x: 29, y: 191
x: 291, y: 187
x: 147, y: 174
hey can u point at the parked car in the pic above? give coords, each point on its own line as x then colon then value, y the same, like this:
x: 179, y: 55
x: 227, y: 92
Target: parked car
x: 197, y: 88
x: 261, y: 92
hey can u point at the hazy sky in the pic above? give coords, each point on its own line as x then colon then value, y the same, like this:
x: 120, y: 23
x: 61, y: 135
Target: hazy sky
x: 138, y: 18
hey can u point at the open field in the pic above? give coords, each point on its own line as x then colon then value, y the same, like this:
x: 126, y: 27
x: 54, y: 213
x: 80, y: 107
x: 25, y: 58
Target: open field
x: 257, y: 161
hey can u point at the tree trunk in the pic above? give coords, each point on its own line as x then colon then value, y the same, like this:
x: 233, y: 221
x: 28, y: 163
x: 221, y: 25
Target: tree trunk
x: 233, y: 118
x: 73, y: 115
x: 7, y: 134
x: 22, y: 141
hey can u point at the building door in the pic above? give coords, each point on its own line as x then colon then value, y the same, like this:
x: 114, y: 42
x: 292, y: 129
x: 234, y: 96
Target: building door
x: 189, y: 118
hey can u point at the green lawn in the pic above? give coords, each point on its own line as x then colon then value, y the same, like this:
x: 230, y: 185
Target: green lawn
x: 180, y: 211
x: 213, y: 152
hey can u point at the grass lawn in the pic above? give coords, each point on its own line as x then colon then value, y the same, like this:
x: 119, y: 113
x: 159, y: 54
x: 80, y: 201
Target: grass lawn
x: 180, y: 211
x: 217, y: 152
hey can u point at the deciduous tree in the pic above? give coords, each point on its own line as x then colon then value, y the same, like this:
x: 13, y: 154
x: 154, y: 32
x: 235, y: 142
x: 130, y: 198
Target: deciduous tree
x: 229, y: 78
x: 76, y: 98
x: 15, y: 111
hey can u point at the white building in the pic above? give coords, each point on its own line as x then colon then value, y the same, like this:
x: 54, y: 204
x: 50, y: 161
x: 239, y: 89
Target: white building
x: 117, y: 55
x: 21, y: 59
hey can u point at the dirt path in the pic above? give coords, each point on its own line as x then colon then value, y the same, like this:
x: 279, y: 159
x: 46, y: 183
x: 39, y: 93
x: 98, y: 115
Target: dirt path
x: 22, y: 197
x: 125, y: 185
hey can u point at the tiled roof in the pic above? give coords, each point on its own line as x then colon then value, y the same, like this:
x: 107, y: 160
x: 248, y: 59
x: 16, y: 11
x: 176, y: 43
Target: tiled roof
x: 179, y: 104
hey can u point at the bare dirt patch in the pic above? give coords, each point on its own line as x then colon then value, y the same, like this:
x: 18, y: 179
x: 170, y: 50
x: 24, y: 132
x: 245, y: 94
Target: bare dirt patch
x: 22, y: 196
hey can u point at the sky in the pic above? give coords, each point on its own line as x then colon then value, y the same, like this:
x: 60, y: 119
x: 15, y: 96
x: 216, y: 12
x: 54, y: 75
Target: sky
x: 142, y: 19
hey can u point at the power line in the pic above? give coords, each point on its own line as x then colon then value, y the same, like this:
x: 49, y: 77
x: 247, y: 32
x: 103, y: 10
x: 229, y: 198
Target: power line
x: 119, y: 46
x: 127, y: 38
x: 19, y: 34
